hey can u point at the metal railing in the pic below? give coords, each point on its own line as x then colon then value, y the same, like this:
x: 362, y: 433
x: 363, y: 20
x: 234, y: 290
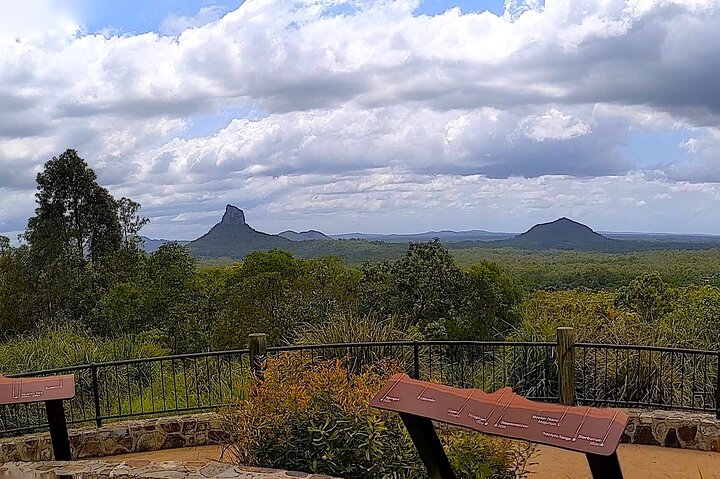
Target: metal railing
x: 648, y: 377
x: 603, y: 375
x: 139, y: 387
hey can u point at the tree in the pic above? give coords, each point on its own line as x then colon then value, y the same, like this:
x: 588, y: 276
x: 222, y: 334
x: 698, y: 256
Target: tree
x: 490, y: 301
x: 16, y: 305
x: 423, y: 286
x: 258, y: 292
x: 75, y: 217
x: 647, y: 295
x: 130, y: 222
x: 166, y: 287
x: 4, y: 245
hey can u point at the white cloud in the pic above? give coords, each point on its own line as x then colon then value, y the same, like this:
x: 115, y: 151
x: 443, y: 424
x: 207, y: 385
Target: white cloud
x: 554, y: 125
x: 175, y: 24
x: 549, y: 90
x: 39, y: 19
x: 691, y: 145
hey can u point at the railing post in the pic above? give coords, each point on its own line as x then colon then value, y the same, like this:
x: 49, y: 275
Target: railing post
x: 566, y: 365
x: 416, y: 360
x: 717, y: 390
x: 258, y: 353
x: 96, y: 394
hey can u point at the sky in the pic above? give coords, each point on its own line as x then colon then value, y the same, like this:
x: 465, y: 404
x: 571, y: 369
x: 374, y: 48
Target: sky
x: 375, y: 116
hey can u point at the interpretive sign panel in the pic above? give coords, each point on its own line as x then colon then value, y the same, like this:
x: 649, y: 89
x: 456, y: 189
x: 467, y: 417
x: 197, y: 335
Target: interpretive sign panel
x: 24, y: 390
x: 51, y: 390
x: 504, y: 413
x: 593, y: 431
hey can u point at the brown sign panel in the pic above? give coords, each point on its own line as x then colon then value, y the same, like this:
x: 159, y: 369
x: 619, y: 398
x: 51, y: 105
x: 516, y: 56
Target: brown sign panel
x: 25, y: 390
x: 504, y: 413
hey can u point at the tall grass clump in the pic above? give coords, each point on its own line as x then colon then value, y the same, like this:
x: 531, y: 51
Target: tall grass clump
x: 347, y: 328
x: 67, y: 345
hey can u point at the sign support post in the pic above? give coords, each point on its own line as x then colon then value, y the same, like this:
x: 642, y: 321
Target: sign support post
x: 423, y: 435
x: 58, y: 429
x: 604, y: 466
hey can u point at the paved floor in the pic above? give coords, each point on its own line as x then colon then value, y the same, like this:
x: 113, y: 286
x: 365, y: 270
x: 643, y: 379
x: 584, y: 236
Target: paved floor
x: 638, y: 462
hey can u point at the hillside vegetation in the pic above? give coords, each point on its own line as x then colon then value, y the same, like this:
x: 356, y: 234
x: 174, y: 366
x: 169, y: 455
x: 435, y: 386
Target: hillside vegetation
x: 82, y: 290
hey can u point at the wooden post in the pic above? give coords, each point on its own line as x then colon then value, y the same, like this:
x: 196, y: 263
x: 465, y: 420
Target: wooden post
x: 566, y: 365
x: 258, y: 353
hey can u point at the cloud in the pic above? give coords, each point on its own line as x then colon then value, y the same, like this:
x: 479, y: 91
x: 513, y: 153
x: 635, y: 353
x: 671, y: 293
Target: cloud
x: 554, y: 125
x: 39, y: 19
x: 550, y: 89
x: 175, y: 24
x: 691, y: 145
x: 409, y: 139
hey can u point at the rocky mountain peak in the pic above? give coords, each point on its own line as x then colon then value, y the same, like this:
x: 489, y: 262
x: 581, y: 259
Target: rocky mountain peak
x: 233, y: 215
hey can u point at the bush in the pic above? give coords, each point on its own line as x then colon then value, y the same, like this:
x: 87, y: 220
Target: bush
x: 316, y: 417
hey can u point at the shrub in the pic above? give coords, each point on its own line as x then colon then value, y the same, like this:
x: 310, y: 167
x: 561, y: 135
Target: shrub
x: 316, y: 417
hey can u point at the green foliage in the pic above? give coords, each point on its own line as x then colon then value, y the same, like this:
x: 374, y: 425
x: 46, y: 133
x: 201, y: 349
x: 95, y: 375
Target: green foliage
x: 428, y: 290
x: 130, y: 222
x: 490, y: 302
x: 344, y: 328
x: 70, y: 346
x: 647, y: 295
x: 316, y: 417
x: 167, y: 297
x: 75, y: 216
x: 15, y: 309
x: 274, y: 292
x: 501, y: 459
x: 422, y: 286
x: 685, y: 317
x: 559, y: 270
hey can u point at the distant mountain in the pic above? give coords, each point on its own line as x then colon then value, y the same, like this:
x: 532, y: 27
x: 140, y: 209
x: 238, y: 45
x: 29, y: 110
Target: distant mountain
x: 563, y: 233
x: 308, y: 235
x: 150, y: 245
x: 446, y: 236
x: 234, y: 238
x: 566, y: 234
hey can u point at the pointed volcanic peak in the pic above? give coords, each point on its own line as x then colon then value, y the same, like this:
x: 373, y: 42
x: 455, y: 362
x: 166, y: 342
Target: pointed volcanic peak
x: 233, y: 215
x: 234, y: 238
x: 308, y: 235
x: 564, y: 233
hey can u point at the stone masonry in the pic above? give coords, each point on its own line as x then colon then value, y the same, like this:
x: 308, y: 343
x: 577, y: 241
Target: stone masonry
x: 121, y: 438
x: 657, y: 428
x: 673, y: 429
x: 90, y: 469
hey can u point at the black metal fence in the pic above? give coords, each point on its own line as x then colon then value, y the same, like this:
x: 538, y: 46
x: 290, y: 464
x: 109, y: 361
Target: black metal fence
x: 647, y: 377
x: 141, y: 387
x: 605, y: 375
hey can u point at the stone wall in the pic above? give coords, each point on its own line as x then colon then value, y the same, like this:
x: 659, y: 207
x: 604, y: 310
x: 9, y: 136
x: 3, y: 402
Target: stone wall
x: 134, y: 469
x: 673, y: 429
x: 121, y: 438
x: 657, y: 428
